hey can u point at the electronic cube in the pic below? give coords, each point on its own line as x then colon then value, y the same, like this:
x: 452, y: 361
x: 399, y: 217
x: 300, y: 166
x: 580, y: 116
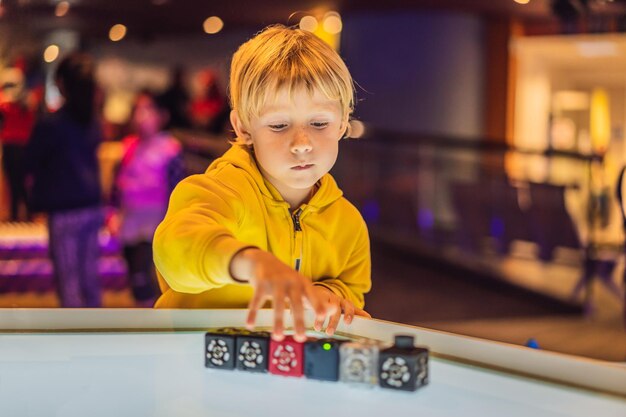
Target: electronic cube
x: 403, y: 366
x: 219, y: 348
x: 359, y: 362
x: 252, y: 351
x: 321, y: 359
x: 286, y: 357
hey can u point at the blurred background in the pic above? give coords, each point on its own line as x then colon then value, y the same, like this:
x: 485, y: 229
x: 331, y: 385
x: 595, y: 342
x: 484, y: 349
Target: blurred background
x: 488, y: 145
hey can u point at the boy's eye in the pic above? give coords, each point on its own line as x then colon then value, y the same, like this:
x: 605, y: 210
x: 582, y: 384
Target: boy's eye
x: 278, y: 126
x: 319, y: 125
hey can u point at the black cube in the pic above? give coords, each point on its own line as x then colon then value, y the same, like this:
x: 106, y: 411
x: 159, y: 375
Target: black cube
x: 219, y: 348
x: 321, y: 359
x: 403, y: 366
x: 252, y: 351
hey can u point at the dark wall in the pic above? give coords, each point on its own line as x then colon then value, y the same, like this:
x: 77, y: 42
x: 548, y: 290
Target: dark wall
x: 422, y: 72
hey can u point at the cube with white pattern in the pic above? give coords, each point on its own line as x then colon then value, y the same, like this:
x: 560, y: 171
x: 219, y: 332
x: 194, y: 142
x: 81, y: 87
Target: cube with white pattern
x: 359, y: 362
x: 219, y: 348
x: 252, y: 351
x: 403, y: 366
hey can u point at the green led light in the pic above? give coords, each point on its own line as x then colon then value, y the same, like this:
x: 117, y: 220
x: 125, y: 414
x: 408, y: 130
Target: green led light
x: 327, y: 346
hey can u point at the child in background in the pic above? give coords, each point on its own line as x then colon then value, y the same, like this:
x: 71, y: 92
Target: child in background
x: 267, y: 220
x: 150, y: 169
x: 16, y: 124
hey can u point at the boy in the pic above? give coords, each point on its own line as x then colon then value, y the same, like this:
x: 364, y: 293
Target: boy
x: 266, y: 220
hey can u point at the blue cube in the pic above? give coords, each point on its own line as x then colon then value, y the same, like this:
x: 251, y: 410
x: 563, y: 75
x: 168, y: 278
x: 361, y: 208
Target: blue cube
x: 321, y: 359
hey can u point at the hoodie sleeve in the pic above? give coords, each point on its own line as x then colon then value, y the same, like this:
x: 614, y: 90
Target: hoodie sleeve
x: 194, y: 244
x: 355, y: 280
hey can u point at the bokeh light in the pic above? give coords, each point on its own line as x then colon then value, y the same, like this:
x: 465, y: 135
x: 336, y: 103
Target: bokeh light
x: 308, y: 23
x: 522, y: 1
x: 62, y: 8
x: 213, y: 25
x: 332, y: 23
x: 117, y: 32
x: 51, y: 53
x: 357, y: 129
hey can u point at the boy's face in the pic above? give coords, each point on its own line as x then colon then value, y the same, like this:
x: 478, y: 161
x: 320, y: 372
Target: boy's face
x: 295, y: 141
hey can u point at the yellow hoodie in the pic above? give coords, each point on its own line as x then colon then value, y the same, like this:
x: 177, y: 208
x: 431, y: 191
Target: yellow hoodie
x: 231, y: 206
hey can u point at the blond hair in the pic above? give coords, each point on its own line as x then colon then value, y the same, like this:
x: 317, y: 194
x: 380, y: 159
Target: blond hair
x: 280, y: 57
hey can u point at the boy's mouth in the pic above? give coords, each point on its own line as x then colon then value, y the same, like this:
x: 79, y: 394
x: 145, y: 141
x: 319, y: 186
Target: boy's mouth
x: 302, y: 167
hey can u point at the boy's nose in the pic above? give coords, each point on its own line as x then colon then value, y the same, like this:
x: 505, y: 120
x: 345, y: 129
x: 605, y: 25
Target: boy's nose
x: 301, y: 143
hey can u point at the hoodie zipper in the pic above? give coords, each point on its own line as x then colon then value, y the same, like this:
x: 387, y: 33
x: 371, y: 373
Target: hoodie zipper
x: 297, y: 230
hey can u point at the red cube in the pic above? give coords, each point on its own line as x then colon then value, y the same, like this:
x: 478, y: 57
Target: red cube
x: 286, y: 357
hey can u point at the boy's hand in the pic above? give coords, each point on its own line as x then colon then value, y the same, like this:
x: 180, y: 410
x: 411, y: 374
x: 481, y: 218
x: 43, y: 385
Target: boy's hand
x: 271, y: 278
x: 335, y: 305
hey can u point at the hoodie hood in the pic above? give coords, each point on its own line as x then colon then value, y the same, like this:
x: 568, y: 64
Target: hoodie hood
x: 241, y: 157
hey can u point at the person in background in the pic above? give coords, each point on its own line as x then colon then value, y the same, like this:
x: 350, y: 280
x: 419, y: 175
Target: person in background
x: 209, y: 111
x: 63, y: 165
x: 150, y: 168
x: 176, y: 100
x: 16, y: 124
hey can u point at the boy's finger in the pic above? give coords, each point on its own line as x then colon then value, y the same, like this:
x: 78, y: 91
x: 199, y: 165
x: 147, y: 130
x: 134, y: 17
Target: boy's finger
x: 333, y: 322
x: 316, y: 304
x: 319, y: 323
x: 348, y: 311
x: 253, y: 308
x: 362, y: 313
x: 297, y: 311
x: 279, y: 312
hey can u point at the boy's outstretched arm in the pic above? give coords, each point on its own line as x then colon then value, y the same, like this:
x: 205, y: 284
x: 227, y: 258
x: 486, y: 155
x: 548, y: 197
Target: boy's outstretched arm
x: 194, y: 244
x: 271, y: 278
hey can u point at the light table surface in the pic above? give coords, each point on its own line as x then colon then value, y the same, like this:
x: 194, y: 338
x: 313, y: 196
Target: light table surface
x: 138, y: 362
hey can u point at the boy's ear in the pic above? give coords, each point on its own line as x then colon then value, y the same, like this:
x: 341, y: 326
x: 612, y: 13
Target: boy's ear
x: 345, y: 128
x: 239, y: 128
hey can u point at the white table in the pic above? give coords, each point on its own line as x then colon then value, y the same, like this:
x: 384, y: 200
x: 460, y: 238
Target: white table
x: 131, y: 362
